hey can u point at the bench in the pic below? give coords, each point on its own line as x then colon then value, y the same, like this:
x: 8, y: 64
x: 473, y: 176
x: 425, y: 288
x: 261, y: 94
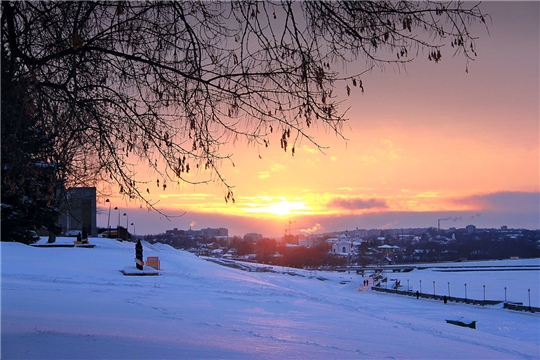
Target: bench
x: 153, y: 261
x: 462, y: 322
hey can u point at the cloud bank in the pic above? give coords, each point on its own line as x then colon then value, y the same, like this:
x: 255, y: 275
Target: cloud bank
x: 357, y: 203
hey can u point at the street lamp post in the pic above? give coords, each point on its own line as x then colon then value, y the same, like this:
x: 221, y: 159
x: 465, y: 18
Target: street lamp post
x: 433, y: 287
x: 109, y: 219
x: 449, y: 289
x: 420, y: 286
x: 408, y: 285
x: 127, y: 226
x: 484, y: 292
x: 134, y: 232
x: 118, y: 224
x: 529, y: 290
x: 465, y: 291
x: 505, y: 294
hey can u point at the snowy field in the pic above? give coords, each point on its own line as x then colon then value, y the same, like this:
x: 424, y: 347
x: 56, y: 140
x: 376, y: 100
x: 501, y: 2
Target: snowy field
x: 74, y: 303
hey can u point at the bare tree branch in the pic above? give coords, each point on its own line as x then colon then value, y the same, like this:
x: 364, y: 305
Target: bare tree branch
x: 172, y: 82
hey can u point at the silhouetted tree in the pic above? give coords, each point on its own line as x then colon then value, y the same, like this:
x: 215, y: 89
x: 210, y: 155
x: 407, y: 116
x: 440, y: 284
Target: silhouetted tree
x: 30, y: 186
x: 243, y: 247
x: 168, y: 83
x: 265, y: 250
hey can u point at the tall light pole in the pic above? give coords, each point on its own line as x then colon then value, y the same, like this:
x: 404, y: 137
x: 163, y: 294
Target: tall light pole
x: 420, y: 286
x: 433, y: 287
x: 505, y: 294
x: 465, y: 291
x: 449, y: 289
x: 127, y: 222
x: 408, y: 285
x: 116, y: 208
x: 134, y: 232
x: 118, y: 224
x: 484, y: 292
x: 109, y: 219
x: 529, y: 290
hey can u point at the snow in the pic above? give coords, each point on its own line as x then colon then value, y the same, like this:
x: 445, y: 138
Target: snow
x: 71, y: 303
x: 146, y: 270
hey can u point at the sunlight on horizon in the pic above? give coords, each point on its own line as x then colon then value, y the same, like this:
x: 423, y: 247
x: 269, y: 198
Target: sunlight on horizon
x: 432, y: 142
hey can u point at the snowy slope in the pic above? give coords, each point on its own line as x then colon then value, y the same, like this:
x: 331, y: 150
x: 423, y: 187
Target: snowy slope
x: 68, y: 303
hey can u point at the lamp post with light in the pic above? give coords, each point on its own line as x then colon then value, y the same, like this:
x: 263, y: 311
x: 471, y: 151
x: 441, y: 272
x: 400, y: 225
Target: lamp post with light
x: 127, y: 224
x: 118, y: 224
x: 134, y: 232
x: 117, y: 209
x: 109, y: 219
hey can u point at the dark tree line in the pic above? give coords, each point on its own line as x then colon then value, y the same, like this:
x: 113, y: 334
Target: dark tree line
x: 106, y: 85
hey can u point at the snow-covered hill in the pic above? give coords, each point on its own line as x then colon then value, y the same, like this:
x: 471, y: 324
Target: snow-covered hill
x: 71, y: 303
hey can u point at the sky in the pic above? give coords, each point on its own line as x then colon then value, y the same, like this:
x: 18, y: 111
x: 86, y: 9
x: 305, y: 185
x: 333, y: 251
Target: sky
x: 73, y: 303
x: 428, y: 142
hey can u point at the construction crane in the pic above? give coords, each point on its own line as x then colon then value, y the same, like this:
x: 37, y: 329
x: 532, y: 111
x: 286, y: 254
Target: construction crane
x: 288, y: 228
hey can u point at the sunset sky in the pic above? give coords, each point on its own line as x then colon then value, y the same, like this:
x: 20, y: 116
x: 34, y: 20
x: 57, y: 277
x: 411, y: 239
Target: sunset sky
x: 432, y: 142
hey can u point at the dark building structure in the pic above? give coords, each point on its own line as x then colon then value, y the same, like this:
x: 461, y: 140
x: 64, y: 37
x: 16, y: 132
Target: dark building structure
x: 79, y: 211
x: 210, y: 233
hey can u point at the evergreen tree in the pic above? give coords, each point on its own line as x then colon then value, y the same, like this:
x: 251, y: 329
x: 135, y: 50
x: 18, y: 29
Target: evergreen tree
x: 29, y: 184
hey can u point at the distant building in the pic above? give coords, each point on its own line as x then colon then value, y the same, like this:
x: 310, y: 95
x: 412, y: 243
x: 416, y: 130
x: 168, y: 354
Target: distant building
x: 388, y: 250
x: 342, y: 245
x: 308, y: 242
x: 79, y: 211
x: 360, y: 234
x: 207, y: 233
x: 254, y: 237
x: 471, y: 229
x: 211, y: 233
x: 175, y: 231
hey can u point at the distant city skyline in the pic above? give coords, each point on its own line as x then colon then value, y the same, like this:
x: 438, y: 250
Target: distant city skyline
x: 428, y: 142
x: 276, y: 228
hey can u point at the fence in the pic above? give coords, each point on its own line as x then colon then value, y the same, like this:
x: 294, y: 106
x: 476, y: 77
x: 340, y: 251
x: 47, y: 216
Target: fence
x: 510, y: 306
